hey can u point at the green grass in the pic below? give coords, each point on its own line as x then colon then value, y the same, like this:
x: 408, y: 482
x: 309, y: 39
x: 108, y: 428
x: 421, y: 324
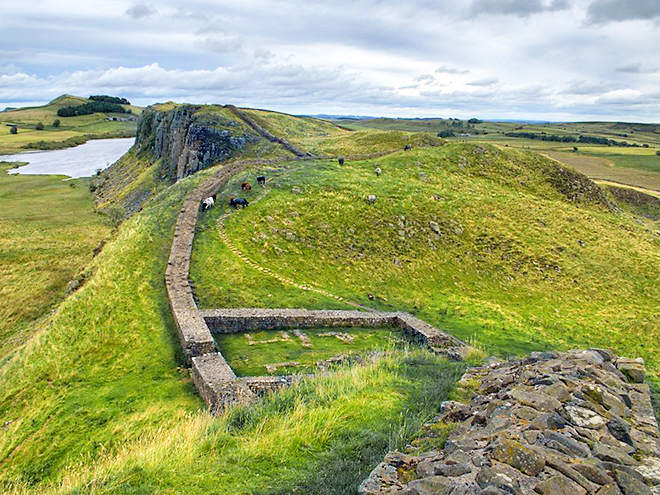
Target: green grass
x: 248, y: 354
x: 487, y: 247
x: 48, y: 231
x: 514, y: 264
x: 71, y: 132
x: 320, y: 137
x: 96, y: 401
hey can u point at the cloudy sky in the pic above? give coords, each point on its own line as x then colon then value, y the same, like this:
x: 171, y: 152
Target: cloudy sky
x: 528, y: 59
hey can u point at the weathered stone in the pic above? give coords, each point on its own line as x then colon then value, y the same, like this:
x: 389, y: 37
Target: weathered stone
x: 383, y: 476
x: 535, y: 399
x: 583, y: 417
x: 565, y: 444
x: 649, y: 468
x: 593, y: 473
x: 613, y: 454
x: 633, y: 369
x: 452, y: 470
x: 433, y: 485
x: 498, y: 478
x: 609, y: 489
x: 630, y: 485
x: 620, y: 430
x: 559, y: 485
x: 520, y: 457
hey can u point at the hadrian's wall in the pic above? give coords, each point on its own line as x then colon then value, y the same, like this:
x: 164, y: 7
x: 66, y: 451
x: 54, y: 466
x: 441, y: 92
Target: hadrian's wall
x: 213, y: 377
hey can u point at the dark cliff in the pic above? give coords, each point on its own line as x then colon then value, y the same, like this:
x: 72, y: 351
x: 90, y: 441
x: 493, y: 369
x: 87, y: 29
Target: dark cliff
x: 189, y: 140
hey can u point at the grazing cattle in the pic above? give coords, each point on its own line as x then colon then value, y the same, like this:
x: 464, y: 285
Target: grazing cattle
x: 371, y: 199
x: 261, y: 180
x: 208, y: 202
x: 407, y: 147
x: 236, y: 202
x: 378, y: 171
x: 341, y: 160
x: 246, y: 186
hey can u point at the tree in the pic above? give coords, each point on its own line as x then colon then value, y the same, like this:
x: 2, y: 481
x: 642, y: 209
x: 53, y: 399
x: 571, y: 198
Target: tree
x: 39, y: 126
x: 13, y: 129
x: 475, y: 121
x: 56, y: 123
x: 575, y: 149
x: 657, y: 153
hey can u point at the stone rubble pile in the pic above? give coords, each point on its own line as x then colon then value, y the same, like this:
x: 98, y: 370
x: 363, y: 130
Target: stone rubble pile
x: 575, y: 423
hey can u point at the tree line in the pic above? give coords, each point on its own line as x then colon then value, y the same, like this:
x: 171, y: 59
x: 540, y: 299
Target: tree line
x: 91, y: 107
x: 571, y: 139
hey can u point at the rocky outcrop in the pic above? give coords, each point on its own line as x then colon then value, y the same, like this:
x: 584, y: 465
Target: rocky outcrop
x: 575, y: 423
x: 189, y: 141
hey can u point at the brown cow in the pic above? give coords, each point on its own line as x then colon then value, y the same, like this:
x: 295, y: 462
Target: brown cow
x: 246, y: 186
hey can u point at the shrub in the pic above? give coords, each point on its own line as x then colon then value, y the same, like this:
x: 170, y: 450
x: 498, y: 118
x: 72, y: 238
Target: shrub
x: 39, y: 126
x: 13, y: 129
x: 657, y: 153
x: 56, y: 123
x: 446, y: 134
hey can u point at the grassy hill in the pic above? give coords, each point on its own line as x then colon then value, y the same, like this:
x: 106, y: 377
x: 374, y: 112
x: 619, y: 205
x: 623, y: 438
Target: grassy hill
x: 498, y: 246
x: 634, y: 166
x: 71, y: 131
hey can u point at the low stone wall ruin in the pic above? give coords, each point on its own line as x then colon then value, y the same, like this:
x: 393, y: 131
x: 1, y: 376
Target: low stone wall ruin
x: 575, y: 423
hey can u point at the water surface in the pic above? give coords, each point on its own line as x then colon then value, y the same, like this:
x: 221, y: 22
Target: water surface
x: 81, y: 161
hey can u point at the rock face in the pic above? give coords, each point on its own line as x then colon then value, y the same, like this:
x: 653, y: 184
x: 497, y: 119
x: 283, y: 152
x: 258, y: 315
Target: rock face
x: 189, y: 141
x: 575, y: 423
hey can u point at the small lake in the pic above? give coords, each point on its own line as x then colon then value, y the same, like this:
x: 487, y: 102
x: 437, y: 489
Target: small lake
x: 81, y: 161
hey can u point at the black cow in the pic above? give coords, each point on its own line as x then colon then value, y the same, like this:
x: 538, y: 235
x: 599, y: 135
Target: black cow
x: 341, y: 160
x: 407, y: 147
x: 236, y: 202
x: 261, y: 180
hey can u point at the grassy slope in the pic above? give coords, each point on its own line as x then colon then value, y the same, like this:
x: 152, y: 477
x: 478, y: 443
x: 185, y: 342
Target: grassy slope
x: 96, y: 402
x: 320, y: 137
x: 507, y: 269
x: 48, y: 230
x: 75, y: 129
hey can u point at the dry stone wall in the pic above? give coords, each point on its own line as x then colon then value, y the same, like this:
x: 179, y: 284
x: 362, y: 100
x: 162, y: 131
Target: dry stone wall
x: 575, y: 423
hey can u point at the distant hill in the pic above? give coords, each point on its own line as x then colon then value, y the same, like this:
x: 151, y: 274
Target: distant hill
x: 70, y: 131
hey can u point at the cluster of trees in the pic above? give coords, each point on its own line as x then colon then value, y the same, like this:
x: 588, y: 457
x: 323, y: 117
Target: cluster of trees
x: 571, y: 139
x: 475, y: 121
x: 110, y: 99
x: 446, y: 134
x: 90, y: 108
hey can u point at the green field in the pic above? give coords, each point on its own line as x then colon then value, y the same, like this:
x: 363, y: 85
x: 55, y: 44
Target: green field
x: 491, y: 250
x: 71, y: 131
x: 250, y: 354
x: 640, y: 164
x: 48, y: 232
x: 501, y: 247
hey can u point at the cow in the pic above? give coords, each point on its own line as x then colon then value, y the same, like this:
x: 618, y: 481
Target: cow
x: 378, y: 171
x: 371, y: 199
x: 341, y: 160
x: 246, y: 186
x: 208, y: 203
x: 261, y: 180
x: 236, y: 202
x: 407, y: 147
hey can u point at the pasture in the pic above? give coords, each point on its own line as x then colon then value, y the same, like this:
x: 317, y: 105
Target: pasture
x: 48, y: 232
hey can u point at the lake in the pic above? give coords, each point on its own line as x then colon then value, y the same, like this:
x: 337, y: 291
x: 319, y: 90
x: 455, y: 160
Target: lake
x: 80, y: 161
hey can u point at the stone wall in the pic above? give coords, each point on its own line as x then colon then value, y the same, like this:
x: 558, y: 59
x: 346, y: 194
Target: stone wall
x: 575, y: 423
